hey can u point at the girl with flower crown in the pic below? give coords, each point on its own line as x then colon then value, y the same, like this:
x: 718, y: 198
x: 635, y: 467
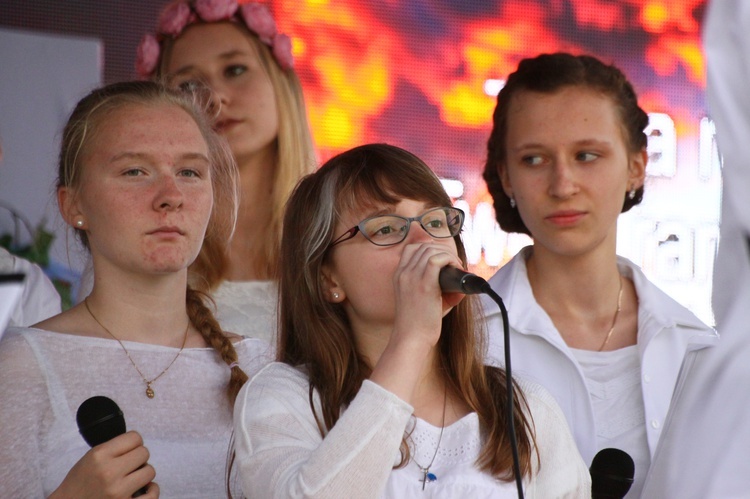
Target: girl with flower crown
x: 238, y: 54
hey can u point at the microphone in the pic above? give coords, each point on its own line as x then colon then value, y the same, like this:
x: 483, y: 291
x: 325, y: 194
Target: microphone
x: 100, y: 420
x: 454, y: 280
x: 612, y: 472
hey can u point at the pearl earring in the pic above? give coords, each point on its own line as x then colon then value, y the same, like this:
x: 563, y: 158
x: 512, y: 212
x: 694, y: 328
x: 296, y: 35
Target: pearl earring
x: 79, y: 223
x: 631, y: 194
x: 335, y: 295
x: 512, y: 202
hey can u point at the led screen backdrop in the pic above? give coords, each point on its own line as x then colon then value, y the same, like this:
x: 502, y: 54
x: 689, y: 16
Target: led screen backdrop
x: 423, y: 75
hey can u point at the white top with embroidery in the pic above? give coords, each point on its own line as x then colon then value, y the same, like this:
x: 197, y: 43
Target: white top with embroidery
x: 247, y: 308
x: 280, y: 452
x: 45, y: 376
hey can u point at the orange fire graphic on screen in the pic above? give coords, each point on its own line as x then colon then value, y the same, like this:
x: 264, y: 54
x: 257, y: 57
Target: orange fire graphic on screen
x: 362, y: 62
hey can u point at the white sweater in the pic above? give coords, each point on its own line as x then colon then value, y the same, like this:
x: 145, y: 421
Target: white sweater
x: 45, y: 376
x: 280, y: 452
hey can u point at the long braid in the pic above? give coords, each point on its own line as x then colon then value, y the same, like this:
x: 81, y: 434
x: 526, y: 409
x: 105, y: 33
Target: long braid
x: 205, y: 322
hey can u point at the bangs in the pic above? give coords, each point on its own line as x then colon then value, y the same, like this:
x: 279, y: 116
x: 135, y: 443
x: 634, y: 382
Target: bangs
x: 386, y: 176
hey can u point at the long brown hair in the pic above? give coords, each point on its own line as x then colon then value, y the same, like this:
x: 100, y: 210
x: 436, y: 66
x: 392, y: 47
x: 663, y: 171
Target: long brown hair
x: 78, y: 135
x: 549, y: 73
x: 315, y: 334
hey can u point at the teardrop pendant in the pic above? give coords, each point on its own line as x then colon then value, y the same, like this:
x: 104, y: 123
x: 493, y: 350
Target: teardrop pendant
x: 149, y: 391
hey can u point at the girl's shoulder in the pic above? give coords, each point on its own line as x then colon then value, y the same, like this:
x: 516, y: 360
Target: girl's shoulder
x: 14, y: 340
x: 280, y: 374
x: 253, y: 354
x: 276, y: 389
x: 539, y: 401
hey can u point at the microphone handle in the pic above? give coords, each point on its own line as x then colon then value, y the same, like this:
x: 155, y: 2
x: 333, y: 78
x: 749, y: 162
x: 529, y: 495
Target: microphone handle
x: 99, y: 420
x: 455, y: 280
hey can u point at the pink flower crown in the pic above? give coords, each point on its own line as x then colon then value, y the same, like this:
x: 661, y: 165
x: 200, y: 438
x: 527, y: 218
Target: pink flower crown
x: 179, y: 14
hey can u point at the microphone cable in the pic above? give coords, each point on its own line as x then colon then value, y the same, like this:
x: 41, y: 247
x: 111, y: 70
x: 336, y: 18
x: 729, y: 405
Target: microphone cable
x: 452, y: 279
x: 508, y: 387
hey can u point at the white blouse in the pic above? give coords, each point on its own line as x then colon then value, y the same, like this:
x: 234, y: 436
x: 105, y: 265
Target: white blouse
x: 45, y: 376
x: 247, y: 308
x: 614, y: 382
x: 280, y: 452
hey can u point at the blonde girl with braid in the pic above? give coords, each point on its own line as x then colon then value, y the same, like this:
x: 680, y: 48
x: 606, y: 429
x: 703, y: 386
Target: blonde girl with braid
x: 143, y: 181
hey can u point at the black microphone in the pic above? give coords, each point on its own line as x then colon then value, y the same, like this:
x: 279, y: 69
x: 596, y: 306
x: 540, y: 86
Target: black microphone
x: 612, y: 472
x: 454, y: 280
x: 100, y: 420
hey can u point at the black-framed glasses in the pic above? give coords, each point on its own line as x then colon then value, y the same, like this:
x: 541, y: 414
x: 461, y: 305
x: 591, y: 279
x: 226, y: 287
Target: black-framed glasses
x: 387, y: 230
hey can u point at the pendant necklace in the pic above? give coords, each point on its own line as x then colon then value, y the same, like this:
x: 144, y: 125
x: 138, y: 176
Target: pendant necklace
x: 149, y: 390
x: 427, y: 475
x: 614, y: 319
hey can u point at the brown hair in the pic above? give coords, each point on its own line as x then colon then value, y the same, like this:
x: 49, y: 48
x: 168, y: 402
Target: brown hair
x: 80, y: 131
x: 295, y: 154
x: 549, y: 73
x: 315, y: 334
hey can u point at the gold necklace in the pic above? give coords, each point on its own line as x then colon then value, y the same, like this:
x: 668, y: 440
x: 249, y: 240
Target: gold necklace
x: 614, y: 319
x: 427, y: 476
x: 149, y: 391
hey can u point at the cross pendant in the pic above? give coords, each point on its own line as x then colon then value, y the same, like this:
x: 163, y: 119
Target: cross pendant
x: 427, y: 477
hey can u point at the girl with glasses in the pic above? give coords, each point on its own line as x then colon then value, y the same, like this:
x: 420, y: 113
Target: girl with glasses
x: 380, y: 389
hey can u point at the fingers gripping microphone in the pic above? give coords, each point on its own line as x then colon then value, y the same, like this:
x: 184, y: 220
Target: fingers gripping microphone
x: 100, y: 420
x: 612, y: 472
x: 454, y: 280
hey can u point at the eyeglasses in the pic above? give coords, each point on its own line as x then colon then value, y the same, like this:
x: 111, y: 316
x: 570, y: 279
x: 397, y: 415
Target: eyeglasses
x: 387, y: 230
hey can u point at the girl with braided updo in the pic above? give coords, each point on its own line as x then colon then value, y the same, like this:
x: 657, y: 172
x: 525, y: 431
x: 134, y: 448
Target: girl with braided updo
x: 567, y: 154
x: 144, y: 181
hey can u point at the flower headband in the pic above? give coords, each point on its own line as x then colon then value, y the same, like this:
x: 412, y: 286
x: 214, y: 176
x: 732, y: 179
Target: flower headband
x: 181, y: 13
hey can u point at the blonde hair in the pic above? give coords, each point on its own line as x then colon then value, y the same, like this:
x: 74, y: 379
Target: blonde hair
x: 295, y: 154
x: 80, y: 131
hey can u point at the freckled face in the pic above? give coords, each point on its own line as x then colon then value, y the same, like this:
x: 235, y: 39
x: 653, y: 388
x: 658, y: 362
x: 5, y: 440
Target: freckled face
x: 568, y: 168
x: 222, y: 56
x: 146, y: 193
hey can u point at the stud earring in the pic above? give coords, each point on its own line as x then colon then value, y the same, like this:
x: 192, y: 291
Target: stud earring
x: 79, y: 223
x: 335, y: 295
x: 631, y: 194
x: 512, y: 202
